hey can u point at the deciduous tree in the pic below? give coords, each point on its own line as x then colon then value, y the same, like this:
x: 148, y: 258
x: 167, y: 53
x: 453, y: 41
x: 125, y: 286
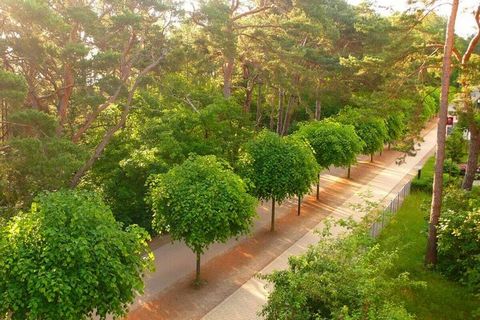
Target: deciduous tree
x: 67, y: 258
x: 201, y: 202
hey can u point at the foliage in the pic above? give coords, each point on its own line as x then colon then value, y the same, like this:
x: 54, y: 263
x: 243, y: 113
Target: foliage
x: 395, y: 127
x: 425, y: 183
x: 32, y: 123
x: 13, y: 87
x: 455, y: 148
x: 338, y: 278
x: 335, y: 144
x: 121, y: 178
x: 459, y: 237
x: 304, y: 168
x: 372, y: 130
x: 451, y: 168
x: 265, y: 163
x: 31, y: 165
x: 67, y: 258
x: 157, y: 139
x: 201, y: 202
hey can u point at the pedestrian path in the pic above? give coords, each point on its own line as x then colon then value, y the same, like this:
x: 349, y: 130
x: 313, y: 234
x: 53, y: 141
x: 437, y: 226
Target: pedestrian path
x: 229, y: 267
x: 247, y: 301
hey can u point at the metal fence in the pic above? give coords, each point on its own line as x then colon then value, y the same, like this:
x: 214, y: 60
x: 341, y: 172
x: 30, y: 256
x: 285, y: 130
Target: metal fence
x: 384, y: 218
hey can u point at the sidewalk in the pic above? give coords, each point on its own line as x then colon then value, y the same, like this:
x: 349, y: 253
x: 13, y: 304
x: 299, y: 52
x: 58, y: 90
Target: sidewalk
x: 229, y: 268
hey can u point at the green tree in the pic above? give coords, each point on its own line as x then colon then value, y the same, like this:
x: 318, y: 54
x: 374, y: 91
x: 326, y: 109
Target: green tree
x: 455, y: 146
x: 34, y: 159
x: 273, y: 166
x: 335, y: 144
x: 395, y: 127
x: 201, y: 202
x: 372, y: 130
x: 304, y: 168
x: 67, y: 258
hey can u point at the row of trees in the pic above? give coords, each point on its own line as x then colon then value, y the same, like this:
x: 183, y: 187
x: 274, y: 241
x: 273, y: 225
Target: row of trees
x: 200, y: 202
x: 169, y: 68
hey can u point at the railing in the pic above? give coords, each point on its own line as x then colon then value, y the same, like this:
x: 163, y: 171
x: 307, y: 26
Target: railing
x: 384, y: 218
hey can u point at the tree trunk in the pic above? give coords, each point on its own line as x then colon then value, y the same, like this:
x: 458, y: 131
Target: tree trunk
x: 3, y: 120
x: 286, y: 120
x: 318, y: 110
x: 348, y: 171
x: 371, y: 157
x: 318, y: 187
x: 64, y: 100
x: 197, y: 273
x: 258, y: 116
x: 227, y: 76
x: 249, y: 87
x: 431, y: 254
x: 472, y: 163
x: 299, y: 204
x: 280, y: 111
x: 272, y: 222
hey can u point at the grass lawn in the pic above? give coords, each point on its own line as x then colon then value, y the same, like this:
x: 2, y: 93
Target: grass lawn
x: 406, y: 233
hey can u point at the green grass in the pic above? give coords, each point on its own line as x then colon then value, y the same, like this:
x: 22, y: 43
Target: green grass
x: 428, y: 168
x: 406, y: 233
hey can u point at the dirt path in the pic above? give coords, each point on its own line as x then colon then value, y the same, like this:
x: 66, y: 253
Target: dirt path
x: 228, y: 271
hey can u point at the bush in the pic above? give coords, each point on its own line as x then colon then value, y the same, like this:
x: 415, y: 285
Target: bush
x: 451, y: 168
x: 425, y: 183
x: 459, y: 237
x: 346, y: 278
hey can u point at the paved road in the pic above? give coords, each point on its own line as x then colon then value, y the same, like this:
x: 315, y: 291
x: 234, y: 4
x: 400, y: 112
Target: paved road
x: 232, y: 293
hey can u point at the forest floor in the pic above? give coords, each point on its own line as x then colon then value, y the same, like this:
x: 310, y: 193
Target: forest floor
x: 232, y: 291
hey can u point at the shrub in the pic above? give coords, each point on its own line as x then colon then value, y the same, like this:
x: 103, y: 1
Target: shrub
x: 459, y: 237
x: 338, y: 278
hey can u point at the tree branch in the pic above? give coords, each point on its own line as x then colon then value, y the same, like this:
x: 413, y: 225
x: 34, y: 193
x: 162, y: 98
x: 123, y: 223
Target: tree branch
x: 473, y: 43
x: 249, y: 13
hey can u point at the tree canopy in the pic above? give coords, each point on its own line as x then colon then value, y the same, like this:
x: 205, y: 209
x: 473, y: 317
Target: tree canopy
x: 334, y: 143
x: 201, y: 202
x: 67, y: 258
x: 371, y: 129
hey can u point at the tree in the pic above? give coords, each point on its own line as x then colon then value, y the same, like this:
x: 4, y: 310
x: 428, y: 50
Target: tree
x: 224, y: 24
x: 34, y: 159
x: 155, y: 140
x: 304, y: 168
x: 395, y: 127
x: 455, y: 146
x: 468, y: 77
x: 67, y: 258
x: 84, y: 60
x: 372, y: 130
x: 431, y: 253
x: 335, y: 144
x: 267, y: 163
x: 201, y: 202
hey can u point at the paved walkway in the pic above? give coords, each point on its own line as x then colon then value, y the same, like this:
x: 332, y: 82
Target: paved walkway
x: 229, y: 268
